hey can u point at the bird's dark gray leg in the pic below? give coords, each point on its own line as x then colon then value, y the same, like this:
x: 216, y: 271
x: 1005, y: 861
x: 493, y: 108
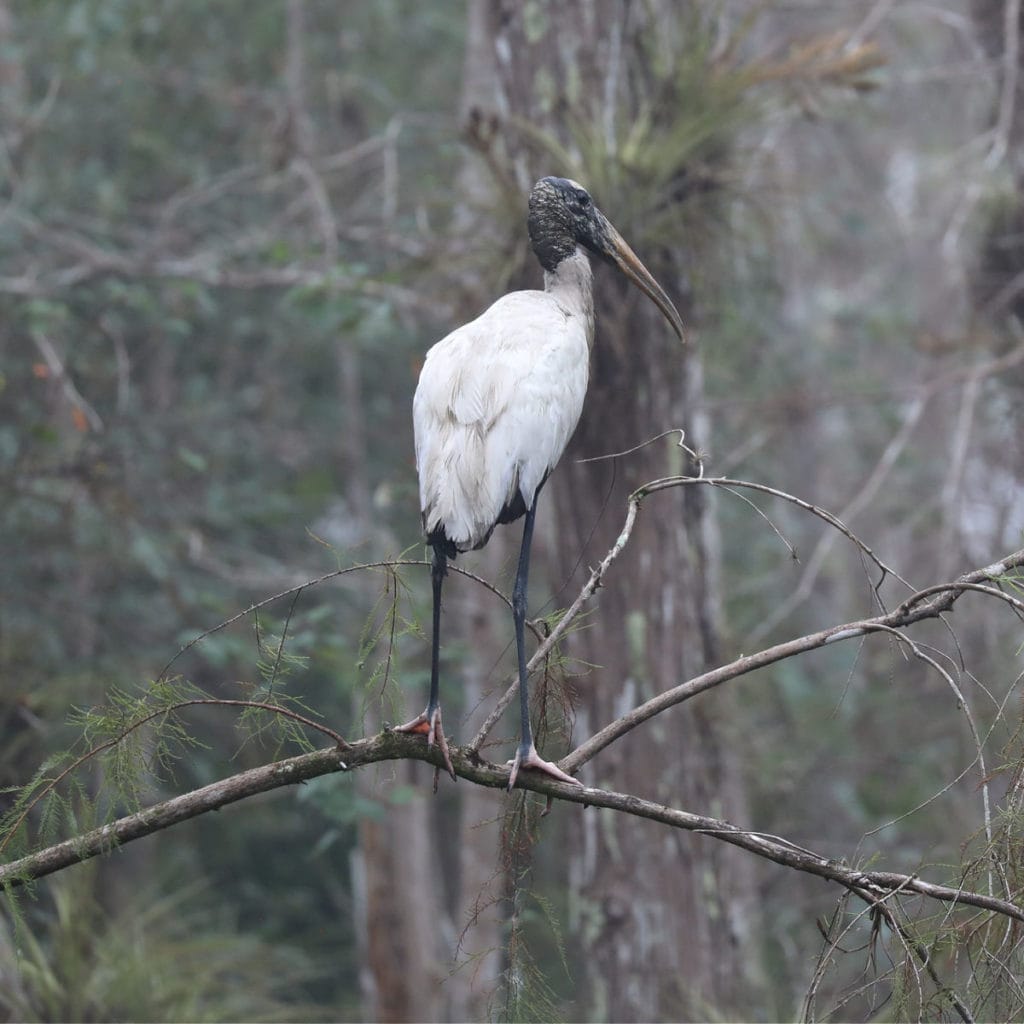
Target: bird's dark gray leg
x: 438, y: 571
x: 526, y: 755
x: 429, y: 721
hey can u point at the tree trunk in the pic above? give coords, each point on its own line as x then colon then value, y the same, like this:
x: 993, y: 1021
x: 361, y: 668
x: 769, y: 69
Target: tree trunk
x: 396, y: 872
x: 484, y: 631
x: 660, y: 921
x: 483, y: 626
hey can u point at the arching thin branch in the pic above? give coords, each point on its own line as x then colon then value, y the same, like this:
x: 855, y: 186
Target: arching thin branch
x: 388, y: 563
x: 930, y: 603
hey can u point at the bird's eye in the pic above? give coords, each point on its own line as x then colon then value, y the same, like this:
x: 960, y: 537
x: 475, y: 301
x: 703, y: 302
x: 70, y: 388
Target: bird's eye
x: 583, y: 199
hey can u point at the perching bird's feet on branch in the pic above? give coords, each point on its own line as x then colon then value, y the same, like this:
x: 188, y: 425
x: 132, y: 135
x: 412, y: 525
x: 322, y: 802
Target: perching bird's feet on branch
x: 529, y: 758
x: 428, y: 723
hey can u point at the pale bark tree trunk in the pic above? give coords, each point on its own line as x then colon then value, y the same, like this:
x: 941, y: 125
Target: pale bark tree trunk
x: 661, y: 921
x: 484, y: 631
x: 481, y: 624
x: 428, y: 955
x: 396, y: 877
x: 398, y: 890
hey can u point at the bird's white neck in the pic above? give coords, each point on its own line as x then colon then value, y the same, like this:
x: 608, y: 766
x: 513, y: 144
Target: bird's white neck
x: 569, y: 284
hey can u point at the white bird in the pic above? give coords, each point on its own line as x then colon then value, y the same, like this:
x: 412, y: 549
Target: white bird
x: 496, y: 404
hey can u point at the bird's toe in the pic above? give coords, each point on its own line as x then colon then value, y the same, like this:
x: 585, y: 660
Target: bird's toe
x: 531, y: 759
x: 421, y: 725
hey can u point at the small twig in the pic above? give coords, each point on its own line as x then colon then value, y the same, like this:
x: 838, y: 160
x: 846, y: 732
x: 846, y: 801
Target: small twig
x: 390, y: 563
x: 920, y: 951
x: 979, y: 751
x: 863, y: 496
x: 961, y: 585
x: 280, y: 646
x: 778, y: 533
x: 641, y: 445
x: 263, y: 706
x: 588, y: 590
x: 815, y: 510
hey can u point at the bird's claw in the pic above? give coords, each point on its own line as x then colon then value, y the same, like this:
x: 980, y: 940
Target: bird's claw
x: 429, y: 723
x: 531, y: 759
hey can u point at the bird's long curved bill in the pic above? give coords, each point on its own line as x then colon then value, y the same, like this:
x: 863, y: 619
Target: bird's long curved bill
x: 629, y: 263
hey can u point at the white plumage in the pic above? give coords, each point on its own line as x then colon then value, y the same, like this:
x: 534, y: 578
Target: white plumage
x: 497, y: 402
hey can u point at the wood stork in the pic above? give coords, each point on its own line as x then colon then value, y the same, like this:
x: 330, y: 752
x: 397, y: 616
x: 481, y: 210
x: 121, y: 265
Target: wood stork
x: 496, y: 404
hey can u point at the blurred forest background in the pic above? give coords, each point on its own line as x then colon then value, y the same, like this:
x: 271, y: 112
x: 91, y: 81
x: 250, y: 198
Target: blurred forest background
x: 228, y: 233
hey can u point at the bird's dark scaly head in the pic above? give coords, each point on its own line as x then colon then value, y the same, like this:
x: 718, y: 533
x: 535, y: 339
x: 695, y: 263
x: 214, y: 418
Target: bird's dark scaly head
x: 562, y: 216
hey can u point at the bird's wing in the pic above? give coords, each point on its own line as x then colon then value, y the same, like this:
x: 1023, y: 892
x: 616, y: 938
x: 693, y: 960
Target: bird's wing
x: 496, y: 404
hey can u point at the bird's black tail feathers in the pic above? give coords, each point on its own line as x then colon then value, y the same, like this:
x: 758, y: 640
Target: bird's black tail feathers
x: 439, y: 541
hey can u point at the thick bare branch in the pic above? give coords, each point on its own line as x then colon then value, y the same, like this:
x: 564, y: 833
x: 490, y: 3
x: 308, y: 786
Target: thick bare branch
x: 588, y: 591
x: 873, y: 886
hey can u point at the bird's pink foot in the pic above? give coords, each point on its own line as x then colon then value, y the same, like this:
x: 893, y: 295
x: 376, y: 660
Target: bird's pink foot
x: 531, y: 759
x: 429, y: 724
